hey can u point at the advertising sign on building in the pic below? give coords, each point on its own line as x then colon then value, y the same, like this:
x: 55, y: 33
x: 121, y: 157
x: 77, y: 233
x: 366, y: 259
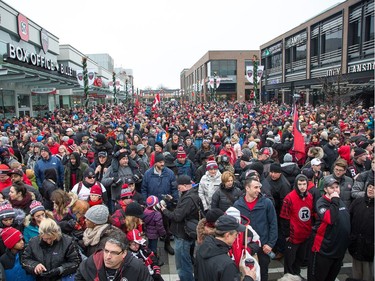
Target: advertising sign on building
x: 44, y: 41
x: 23, y: 27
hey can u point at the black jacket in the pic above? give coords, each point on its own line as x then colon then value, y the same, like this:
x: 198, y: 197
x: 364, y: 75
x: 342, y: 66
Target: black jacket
x: 63, y: 253
x: 224, y: 198
x: 214, y: 264
x: 332, y: 228
x: 290, y: 170
x: 93, y: 268
x: 330, y: 156
x: 185, y: 209
x: 362, y: 229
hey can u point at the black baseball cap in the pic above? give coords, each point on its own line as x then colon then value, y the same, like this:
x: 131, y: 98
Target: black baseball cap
x: 229, y: 223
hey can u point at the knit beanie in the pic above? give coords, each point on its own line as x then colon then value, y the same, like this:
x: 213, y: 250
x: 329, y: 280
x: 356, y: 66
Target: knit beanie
x: 275, y: 167
x: 213, y: 214
x: 45, y: 148
x: 159, y: 157
x: 6, y: 211
x: 158, y: 143
x: 96, y: 190
x: 4, y: 169
x: 100, y: 138
x: 11, y: 236
x: 152, y: 201
x: 359, y: 152
x: 126, y: 192
x: 181, y: 153
x: 97, y: 214
x: 134, y: 209
x: 232, y: 211
x: 36, y: 206
x: 288, y: 158
x: 211, y: 164
x: 89, y: 172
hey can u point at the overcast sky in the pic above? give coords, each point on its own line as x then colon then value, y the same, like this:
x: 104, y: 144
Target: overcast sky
x: 159, y: 38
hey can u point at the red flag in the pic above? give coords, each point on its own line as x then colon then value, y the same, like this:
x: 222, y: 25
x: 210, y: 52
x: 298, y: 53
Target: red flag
x: 299, y: 140
x: 137, y: 104
x: 156, y: 100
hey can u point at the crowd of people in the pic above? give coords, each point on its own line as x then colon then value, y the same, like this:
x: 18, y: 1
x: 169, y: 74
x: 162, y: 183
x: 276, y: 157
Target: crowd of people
x: 90, y: 194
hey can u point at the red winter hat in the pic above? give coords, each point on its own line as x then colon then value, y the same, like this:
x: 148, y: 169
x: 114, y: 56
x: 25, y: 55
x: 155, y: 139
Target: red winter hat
x: 126, y: 192
x: 4, y: 169
x: 11, y: 237
x: 96, y: 190
x: 135, y: 235
x: 181, y: 153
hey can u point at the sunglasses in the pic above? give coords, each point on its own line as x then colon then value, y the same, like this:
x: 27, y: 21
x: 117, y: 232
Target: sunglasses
x: 91, y: 177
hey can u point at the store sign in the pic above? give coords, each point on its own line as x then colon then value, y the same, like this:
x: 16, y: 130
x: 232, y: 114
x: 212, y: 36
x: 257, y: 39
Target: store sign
x: 295, y: 40
x: 333, y: 71
x: 51, y: 91
x: 23, y: 27
x: 24, y: 56
x: 361, y: 67
x: 44, y: 41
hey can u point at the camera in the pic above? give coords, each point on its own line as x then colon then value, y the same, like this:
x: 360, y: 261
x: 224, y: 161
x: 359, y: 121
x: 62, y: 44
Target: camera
x: 158, y: 206
x: 167, y: 197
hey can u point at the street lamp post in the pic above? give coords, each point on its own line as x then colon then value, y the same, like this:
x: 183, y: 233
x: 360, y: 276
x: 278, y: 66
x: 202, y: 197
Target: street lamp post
x: 114, y: 88
x: 255, y: 65
x: 126, y: 90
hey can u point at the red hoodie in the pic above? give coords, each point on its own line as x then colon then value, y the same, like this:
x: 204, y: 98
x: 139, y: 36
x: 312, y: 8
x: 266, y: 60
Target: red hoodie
x: 344, y: 152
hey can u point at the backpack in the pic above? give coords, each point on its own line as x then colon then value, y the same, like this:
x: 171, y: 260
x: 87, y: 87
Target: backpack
x: 192, y: 223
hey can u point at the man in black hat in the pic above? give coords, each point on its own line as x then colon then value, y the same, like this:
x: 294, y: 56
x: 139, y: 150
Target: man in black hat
x: 330, y: 234
x: 361, y: 162
x: 213, y: 262
x: 186, y: 209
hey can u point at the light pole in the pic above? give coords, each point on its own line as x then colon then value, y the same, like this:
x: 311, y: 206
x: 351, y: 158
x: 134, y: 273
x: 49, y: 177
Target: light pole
x: 255, y: 75
x: 126, y: 89
x: 114, y: 88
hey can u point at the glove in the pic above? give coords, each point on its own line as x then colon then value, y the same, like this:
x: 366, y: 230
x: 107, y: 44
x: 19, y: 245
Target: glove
x: 156, y: 270
x: 52, y: 273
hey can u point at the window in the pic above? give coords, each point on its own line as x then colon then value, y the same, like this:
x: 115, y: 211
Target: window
x: 300, y: 52
x: 314, y: 47
x: 224, y: 68
x: 288, y: 55
x: 369, y: 28
x: 276, y: 60
x: 354, y: 33
x: 331, y: 41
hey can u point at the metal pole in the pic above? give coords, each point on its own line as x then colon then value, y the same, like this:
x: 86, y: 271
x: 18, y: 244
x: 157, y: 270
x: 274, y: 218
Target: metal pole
x: 2, y: 98
x: 255, y: 75
x: 114, y: 88
x: 215, y: 98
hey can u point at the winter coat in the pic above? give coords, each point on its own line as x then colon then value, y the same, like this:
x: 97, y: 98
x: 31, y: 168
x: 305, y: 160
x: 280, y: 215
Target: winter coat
x: 132, y: 269
x: 360, y: 182
x: 332, y: 228
x: 153, y: 221
x: 207, y: 187
x: 46, y: 190
x: 68, y: 184
x: 187, y: 168
x: 361, y: 245
x: 262, y: 218
x: 290, y: 170
x: 279, y: 189
x: 62, y: 253
x: 13, y: 268
x: 158, y: 185
x: 108, y: 179
x: 43, y: 164
x: 214, y: 264
x: 330, y: 155
x: 223, y: 198
x: 346, y: 185
x: 36, y: 194
x: 186, y: 209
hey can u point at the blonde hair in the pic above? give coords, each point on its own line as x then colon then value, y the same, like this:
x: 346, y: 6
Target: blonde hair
x: 49, y: 227
x: 132, y: 222
x: 226, y: 175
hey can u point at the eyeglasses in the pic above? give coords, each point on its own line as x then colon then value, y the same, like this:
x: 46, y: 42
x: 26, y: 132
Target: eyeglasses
x: 89, y: 177
x: 112, y: 253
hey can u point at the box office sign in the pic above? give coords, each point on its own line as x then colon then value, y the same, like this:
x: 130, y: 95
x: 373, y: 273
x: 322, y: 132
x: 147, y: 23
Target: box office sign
x: 23, y: 56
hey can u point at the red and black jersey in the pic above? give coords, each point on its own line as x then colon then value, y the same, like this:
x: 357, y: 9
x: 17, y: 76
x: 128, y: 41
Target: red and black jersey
x: 332, y: 228
x: 298, y: 211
